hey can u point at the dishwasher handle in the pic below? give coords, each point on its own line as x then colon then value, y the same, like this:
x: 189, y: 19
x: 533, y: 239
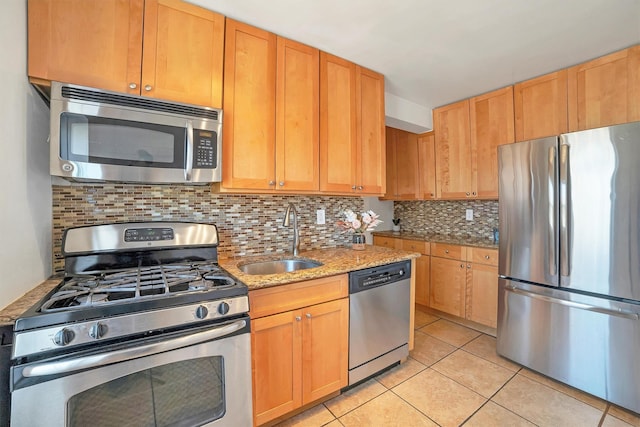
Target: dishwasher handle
x: 369, y: 278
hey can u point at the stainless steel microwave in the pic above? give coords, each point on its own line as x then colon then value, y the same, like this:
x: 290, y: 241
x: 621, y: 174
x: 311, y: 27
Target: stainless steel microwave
x: 106, y: 136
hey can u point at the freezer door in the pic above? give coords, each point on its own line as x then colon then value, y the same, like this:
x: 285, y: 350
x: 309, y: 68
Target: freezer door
x: 589, y: 343
x: 600, y: 210
x: 528, y: 210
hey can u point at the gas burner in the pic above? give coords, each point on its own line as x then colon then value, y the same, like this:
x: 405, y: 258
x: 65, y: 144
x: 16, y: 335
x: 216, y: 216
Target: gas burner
x: 136, y: 284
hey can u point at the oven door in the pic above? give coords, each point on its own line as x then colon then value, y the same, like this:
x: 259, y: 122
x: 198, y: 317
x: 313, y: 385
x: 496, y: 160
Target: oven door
x: 194, y: 378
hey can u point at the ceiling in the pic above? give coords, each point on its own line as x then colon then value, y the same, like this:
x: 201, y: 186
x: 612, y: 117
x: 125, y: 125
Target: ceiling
x: 433, y: 52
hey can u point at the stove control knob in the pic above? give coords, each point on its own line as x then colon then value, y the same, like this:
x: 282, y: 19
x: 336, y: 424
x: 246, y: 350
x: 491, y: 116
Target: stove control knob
x: 98, y: 331
x: 202, y: 312
x: 223, y: 308
x: 63, y: 337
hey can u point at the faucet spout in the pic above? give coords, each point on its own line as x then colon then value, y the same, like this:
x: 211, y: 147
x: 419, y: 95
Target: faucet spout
x: 296, y: 234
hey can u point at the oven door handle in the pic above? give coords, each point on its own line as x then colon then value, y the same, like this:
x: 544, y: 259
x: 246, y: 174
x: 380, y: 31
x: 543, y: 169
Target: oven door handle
x: 97, y: 360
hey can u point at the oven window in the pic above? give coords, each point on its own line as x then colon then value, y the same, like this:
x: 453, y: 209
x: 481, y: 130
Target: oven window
x: 121, y: 142
x: 187, y: 393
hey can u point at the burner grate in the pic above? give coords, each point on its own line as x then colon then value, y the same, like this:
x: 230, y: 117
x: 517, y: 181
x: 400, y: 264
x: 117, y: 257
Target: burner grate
x: 131, y: 285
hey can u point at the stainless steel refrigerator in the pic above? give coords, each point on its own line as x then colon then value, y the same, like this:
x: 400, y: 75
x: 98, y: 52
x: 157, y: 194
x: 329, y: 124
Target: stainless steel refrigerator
x: 569, y: 286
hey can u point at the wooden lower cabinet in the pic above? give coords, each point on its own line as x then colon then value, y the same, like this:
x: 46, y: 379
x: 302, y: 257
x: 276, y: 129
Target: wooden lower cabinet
x: 448, y: 285
x: 482, y: 294
x: 300, y: 355
x: 387, y: 242
x: 423, y: 279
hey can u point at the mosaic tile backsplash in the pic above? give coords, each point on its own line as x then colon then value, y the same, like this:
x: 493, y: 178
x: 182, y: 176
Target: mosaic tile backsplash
x: 448, y: 217
x: 247, y: 224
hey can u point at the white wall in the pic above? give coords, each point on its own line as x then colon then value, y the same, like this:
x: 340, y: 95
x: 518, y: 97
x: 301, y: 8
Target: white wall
x: 25, y: 193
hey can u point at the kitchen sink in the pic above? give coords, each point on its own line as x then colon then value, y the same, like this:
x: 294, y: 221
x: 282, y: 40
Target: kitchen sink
x: 278, y: 266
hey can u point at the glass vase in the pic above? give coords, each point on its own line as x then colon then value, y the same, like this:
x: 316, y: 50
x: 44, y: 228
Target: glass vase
x: 359, y: 241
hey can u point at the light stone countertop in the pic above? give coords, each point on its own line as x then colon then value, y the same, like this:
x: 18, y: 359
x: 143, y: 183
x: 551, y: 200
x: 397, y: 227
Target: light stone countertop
x: 334, y: 261
x: 478, y: 242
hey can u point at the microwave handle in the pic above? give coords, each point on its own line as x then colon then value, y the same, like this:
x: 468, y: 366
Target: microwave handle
x: 189, y: 169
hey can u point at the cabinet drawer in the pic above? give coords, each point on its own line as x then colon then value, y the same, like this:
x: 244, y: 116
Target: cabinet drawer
x: 277, y: 299
x: 387, y: 242
x: 444, y: 250
x: 416, y: 246
x: 483, y: 256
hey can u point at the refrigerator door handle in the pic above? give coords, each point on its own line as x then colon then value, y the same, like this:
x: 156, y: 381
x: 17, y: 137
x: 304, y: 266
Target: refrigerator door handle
x: 553, y: 218
x: 565, y: 266
x: 579, y: 305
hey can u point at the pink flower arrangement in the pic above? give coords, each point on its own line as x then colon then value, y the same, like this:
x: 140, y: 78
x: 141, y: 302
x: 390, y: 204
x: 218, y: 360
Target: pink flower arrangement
x: 358, y: 223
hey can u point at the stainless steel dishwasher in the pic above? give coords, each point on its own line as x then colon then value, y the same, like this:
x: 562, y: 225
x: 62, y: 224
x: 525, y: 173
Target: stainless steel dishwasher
x: 379, y: 309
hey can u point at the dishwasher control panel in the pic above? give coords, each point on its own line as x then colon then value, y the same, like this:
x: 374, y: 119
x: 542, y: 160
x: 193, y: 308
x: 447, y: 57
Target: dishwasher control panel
x: 361, y: 280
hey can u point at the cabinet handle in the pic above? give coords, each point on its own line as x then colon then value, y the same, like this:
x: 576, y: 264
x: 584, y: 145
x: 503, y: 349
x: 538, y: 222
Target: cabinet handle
x: 308, y: 315
x: 132, y: 85
x: 148, y: 88
x: 486, y: 257
x: 272, y: 183
x: 298, y: 318
x: 281, y: 183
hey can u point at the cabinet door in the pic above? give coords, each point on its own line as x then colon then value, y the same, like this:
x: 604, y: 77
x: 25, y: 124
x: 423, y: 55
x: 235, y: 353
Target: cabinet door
x: 325, y: 349
x: 540, y: 106
x: 427, y: 166
x: 183, y: 53
x: 448, y: 285
x: 605, y: 91
x: 491, y: 118
x: 482, y: 294
x: 297, y: 116
x: 337, y: 124
x: 90, y: 43
x: 276, y: 348
x: 249, y: 108
x: 453, y: 151
x: 423, y: 279
x: 407, y: 174
x: 370, y: 148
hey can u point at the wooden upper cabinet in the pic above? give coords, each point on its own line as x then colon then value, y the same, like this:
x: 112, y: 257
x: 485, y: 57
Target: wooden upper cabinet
x: 370, y: 147
x: 97, y: 44
x: 540, y: 106
x: 605, y: 91
x: 491, y: 117
x: 338, y: 141
x: 427, y: 166
x: 249, y: 108
x: 454, y: 172
x: 392, y: 182
x: 352, y: 138
x: 297, y: 116
x: 100, y: 44
x: 402, y: 165
x: 183, y: 52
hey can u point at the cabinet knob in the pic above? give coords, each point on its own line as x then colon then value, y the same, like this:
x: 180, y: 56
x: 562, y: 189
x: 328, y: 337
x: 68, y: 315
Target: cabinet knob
x: 148, y: 88
x: 467, y: 194
x: 360, y: 187
x: 474, y: 193
x: 486, y: 257
x: 353, y: 187
x: 298, y: 318
x: 461, y: 265
x: 308, y: 315
x: 431, y: 194
x: 281, y: 183
x: 446, y: 251
x: 468, y: 265
x: 272, y: 183
x: 132, y: 85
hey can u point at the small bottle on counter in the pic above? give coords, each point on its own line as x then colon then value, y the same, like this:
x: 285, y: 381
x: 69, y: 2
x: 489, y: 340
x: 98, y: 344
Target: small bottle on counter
x: 496, y: 235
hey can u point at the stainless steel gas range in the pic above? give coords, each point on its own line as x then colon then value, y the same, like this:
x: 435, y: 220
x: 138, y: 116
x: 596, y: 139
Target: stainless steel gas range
x: 145, y: 329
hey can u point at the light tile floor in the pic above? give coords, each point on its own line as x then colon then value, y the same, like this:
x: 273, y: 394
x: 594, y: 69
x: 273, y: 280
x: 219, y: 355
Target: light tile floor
x: 454, y: 377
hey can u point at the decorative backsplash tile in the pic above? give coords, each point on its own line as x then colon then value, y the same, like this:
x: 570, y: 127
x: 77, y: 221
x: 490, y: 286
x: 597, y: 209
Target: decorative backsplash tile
x: 448, y: 217
x: 247, y: 224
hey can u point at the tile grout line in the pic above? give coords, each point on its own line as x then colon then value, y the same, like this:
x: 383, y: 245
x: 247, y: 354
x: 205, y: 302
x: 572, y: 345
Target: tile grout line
x: 604, y: 414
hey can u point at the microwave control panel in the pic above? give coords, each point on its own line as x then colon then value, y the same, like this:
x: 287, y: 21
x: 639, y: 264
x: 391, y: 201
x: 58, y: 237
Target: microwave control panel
x: 204, y: 150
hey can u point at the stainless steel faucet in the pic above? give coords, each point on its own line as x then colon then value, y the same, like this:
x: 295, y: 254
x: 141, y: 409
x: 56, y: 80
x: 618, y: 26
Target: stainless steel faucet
x: 296, y: 233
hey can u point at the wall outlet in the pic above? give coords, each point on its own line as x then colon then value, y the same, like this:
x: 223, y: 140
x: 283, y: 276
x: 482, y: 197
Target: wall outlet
x: 320, y: 217
x: 469, y: 215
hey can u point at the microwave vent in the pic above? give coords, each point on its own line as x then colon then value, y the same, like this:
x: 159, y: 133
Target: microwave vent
x: 71, y: 92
